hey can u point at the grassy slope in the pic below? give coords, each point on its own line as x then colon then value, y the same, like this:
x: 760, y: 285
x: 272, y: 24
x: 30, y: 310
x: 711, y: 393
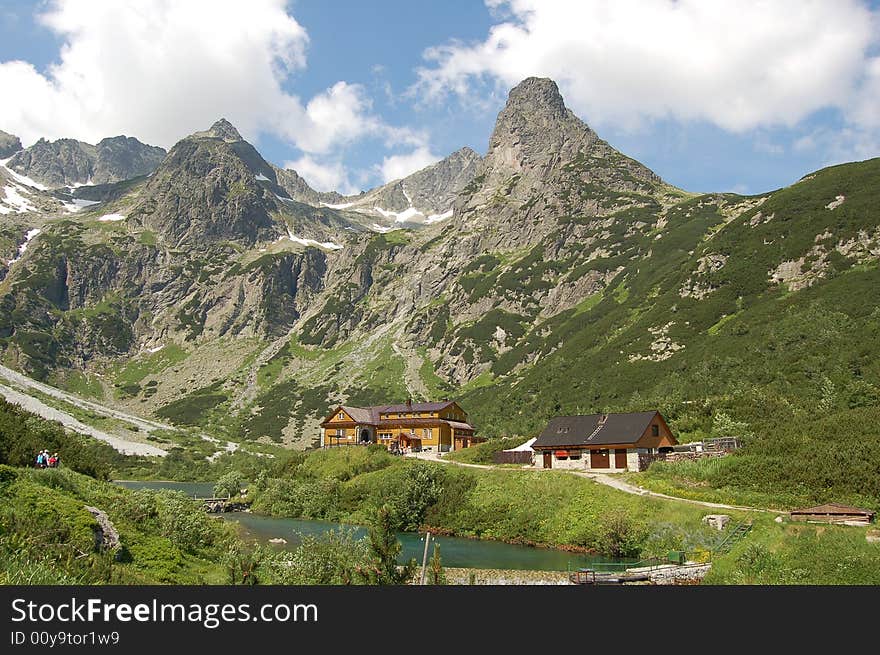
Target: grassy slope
x: 558, y: 509
x: 46, y: 534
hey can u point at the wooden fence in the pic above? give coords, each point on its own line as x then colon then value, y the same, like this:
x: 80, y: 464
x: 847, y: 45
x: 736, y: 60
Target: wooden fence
x: 512, y: 457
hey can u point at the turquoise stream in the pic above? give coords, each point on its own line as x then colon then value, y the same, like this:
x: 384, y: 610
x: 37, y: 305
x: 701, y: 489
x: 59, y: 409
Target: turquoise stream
x: 455, y: 551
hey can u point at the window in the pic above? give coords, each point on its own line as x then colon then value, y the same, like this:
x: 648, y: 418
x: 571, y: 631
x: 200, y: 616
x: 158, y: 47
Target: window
x: 426, y: 433
x: 574, y: 454
x: 341, y: 416
x: 655, y: 430
x: 562, y: 431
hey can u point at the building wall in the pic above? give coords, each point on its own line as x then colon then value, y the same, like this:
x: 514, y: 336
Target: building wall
x: 665, y: 438
x: 583, y: 464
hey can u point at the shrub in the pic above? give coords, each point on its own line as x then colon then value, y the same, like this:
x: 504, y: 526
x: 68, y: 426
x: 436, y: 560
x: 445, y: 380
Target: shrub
x: 229, y: 484
x: 333, y: 558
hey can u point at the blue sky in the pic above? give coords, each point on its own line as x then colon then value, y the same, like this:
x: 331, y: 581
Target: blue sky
x: 744, y: 96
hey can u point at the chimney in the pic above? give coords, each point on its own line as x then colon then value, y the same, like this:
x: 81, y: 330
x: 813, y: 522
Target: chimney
x: 409, y: 403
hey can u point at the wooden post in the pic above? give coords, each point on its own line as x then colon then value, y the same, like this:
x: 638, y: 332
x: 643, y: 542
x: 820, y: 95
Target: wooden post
x: 425, y: 557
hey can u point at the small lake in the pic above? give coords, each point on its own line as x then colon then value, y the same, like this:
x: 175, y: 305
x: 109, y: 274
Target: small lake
x: 455, y: 551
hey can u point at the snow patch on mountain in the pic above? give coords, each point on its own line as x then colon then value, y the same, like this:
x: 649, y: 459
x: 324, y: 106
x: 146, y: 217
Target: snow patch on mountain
x: 21, y: 249
x: 21, y: 179
x: 328, y: 245
x: 16, y: 201
x: 436, y: 218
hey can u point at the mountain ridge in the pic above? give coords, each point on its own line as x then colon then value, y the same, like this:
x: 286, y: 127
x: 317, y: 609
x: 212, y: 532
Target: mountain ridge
x: 568, y: 277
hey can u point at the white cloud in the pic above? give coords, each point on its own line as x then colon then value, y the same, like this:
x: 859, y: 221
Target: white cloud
x: 396, y: 167
x: 839, y: 145
x: 329, y: 176
x: 162, y: 69
x: 739, y: 65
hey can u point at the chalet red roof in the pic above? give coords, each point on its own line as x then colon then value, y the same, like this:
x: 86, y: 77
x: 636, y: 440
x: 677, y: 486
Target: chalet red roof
x: 412, y: 407
x: 374, y: 415
x: 834, y: 509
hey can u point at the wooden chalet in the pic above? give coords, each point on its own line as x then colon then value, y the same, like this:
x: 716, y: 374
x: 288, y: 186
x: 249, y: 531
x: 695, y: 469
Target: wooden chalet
x: 441, y: 426
x: 603, y: 442
x: 833, y: 513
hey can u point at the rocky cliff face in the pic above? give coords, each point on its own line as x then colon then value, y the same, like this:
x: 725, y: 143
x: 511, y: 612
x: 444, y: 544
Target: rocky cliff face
x: 9, y: 145
x: 68, y: 162
x: 205, y: 192
x: 564, y: 261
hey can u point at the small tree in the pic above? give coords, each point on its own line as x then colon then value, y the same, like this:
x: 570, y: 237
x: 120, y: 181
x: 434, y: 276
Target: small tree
x: 421, y: 487
x: 382, y: 567
x: 229, y: 484
x: 620, y: 536
x: 438, y: 575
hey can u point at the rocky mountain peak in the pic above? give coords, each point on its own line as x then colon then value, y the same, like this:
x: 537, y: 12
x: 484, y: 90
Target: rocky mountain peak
x: 535, y: 129
x: 68, y: 162
x: 535, y: 96
x: 9, y: 144
x: 222, y: 129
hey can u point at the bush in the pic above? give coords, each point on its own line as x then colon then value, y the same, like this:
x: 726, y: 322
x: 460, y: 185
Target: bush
x: 229, y: 485
x: 331, y: 559
x: 620, y: 535
x: 183, y: 522
x: 420, y: 487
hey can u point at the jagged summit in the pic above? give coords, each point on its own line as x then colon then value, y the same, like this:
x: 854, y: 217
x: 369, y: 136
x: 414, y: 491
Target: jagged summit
x: 537, y: 95
x: 222, y: 129
x: 69, y: 162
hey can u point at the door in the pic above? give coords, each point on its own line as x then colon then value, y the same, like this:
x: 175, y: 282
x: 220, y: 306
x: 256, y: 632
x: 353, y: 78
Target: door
x: 548, y: 459
x: 599, y: 459
x: 620, y: 458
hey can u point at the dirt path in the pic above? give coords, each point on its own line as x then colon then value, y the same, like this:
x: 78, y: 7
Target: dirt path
x: 602, y: 478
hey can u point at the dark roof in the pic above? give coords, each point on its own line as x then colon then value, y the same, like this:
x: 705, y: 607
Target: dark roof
x: 833, y: 509
x: 586, y: 430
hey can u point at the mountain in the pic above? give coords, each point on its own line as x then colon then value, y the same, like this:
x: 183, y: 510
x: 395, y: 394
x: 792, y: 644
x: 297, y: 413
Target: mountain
x: 421, y: 198
x: 9, y: 145
x: 68, y: 162
x: 223, y: 292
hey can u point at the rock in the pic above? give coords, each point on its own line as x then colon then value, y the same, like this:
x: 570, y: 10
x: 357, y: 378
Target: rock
x: 106, y: 536
x: 779, y: 519
x: 278, y: 540
x: 717, y: 521
x: 872, y: 536
x: 67, y: 162
x: 9, y: 144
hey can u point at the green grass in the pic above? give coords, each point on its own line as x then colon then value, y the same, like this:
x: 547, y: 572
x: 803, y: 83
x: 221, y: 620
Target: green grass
x: 799, y: 554
x: 437, y: 386
x: 381, y: 380
x: 716, y: 328
x: 146, y: 364
x: 164, y: 537
x: 83, y: 384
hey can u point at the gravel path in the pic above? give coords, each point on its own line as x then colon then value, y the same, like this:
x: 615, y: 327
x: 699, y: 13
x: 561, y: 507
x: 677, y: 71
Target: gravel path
x: 28, y: 383
x: 119, y: 442
x: 40, y: 408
